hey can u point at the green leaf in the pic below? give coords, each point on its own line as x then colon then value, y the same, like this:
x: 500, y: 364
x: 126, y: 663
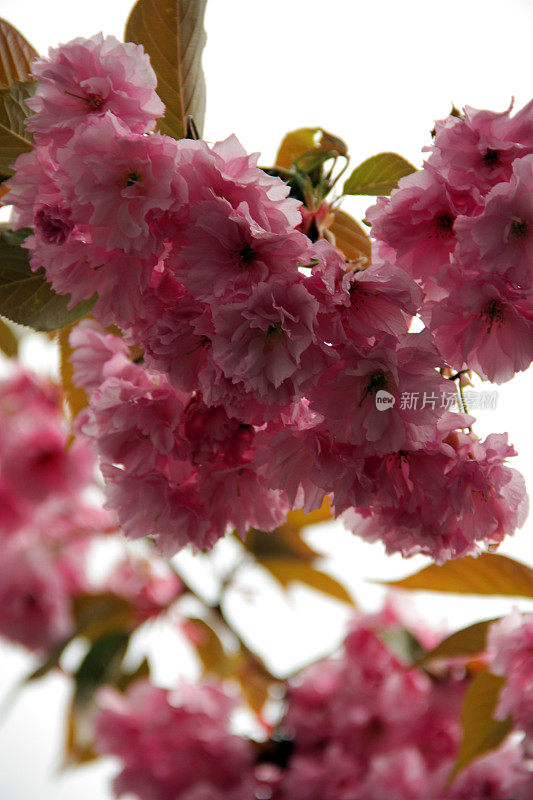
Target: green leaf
x: 489, y: 573
x: 26, y: 297
x: 481, y: 732
x: 9, y: 344
x: 350, y: 237
x: 378, y: 175
x: 402, y: 644
x: 101, y: 665
x: 308, y: 141
x: 289, y: 570
x: 14, y: 138
x: 172, y: 33
x: 16, y: 55
x: 470, y: 641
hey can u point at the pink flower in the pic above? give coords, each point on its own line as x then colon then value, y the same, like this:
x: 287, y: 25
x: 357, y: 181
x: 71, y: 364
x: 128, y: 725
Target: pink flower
x: 304, y: 461
x: 178, y: 340
x: 366, y: 725
x: 34, y: 596
x: 174, y: 743
x: 396, y: 369
x: 478, y: 151
x: 265, y: 344
x: 33, y: 446
x: 228, y: 172
x: 357, y: 305
x: 226, y: 250
x: 418, y: 222
x: 87, y: 78
x: 173, y: 467
x: 97, y: 355
x: 150, y: 590
x: 500, y: 239
x: 152, y: 505
x: 510, y: 644
x: 486, y: 324
x: 443, y: 500
x: 53, y: 224
x: 32, y: 186
x: 502, y: 773
x: 117, y: 182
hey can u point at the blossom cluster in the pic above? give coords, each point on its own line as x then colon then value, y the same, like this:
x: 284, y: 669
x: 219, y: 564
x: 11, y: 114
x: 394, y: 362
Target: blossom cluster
x: 367, y: 725
x: 48, y: 525
x: 361, y: 726
x: 45, y: 524
x: 510, y: 644
x: 463, y: 228
x: 264, y: 355
x: 175, y: 743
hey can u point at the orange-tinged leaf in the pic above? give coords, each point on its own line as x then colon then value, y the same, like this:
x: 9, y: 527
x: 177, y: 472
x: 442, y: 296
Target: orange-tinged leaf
x: 76, y: 398
x: 481, y: 732
x: 306, y: 140
x: 16, y: 55
x: 284, y: 542
x: 99, y: 614
x: 255, y: 685
x: 350, y: 237
x: 289, y: 570
x: 468, y: 641
x: 297, y: 519
x: 378, y: 175
x: 208, y: 646
x: 172, y: 33
x: 488, y: 574
x: 9, y: 344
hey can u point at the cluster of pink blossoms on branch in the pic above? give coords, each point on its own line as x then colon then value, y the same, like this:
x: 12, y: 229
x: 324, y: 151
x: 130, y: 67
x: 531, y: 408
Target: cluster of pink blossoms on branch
x: 265, y: 353
x: 46, y: 525
x: 49, y: 527
x: 463, y: 228
x: 361, y: 726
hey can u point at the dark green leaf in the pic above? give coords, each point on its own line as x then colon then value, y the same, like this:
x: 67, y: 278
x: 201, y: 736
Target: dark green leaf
x: 378, y: 175
x: 101, y: 665
x: 14, y: 139
x: 26, y: 297
x: 173, y: 35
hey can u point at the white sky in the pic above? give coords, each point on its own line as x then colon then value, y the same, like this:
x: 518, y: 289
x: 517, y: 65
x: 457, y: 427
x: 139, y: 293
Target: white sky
x: 377, y: 74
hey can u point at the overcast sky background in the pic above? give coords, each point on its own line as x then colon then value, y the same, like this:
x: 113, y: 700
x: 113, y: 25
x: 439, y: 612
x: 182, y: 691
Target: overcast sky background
x: 377, y: 74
